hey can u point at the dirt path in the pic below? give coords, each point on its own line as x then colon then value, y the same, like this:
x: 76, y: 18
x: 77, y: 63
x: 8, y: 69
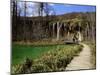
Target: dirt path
x: 82, y: 61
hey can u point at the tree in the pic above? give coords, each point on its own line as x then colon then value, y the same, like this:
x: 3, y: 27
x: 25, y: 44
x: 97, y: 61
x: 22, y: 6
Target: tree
x: 14, y: 19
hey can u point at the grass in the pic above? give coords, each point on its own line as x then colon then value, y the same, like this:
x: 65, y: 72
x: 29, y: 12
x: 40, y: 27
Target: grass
x: 44, y: 58
x: 21, y: 52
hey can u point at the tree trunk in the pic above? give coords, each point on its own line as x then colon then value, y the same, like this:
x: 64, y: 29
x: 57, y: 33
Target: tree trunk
x: 24, y: 26
x: 80, y: 36
x: 87, y: 32
x: 93, y: 33
x: 58, y: 30
x: 53, y: 30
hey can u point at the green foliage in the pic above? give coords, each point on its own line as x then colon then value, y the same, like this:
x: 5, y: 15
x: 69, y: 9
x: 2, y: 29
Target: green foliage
x: 39, y: 67
x: 54, y: 60
x: 20, y: 52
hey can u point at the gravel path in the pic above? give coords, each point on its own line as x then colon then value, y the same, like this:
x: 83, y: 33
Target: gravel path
x: 82, y: 61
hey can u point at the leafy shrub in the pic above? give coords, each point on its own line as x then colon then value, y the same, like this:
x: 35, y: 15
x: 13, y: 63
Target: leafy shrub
x: 23, y: 68
x: 55, y: 60
x: 40, y: 67
x: 16, y: 69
